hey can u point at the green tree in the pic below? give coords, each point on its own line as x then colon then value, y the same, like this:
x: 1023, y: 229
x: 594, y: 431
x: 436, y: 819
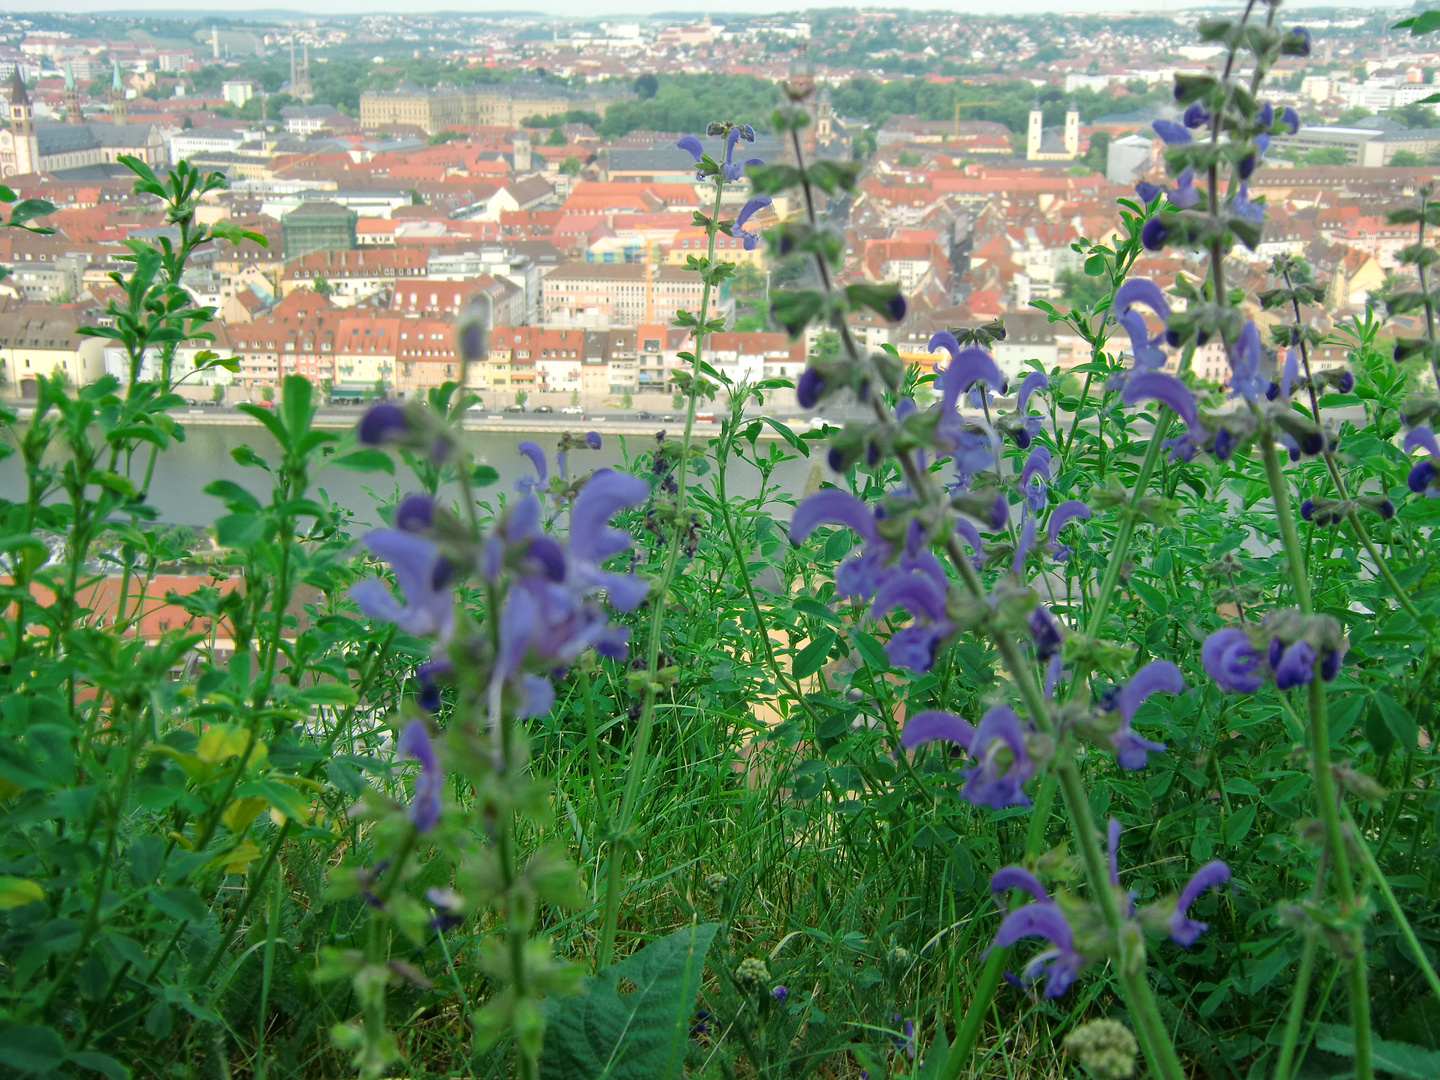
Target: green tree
x: 826, y: 345
x: 571, y: 166
x: 217, y: 392
x: 574, y: 397
x: 267, y: 393
x: 1097, y: 155
x: 1079, y: 289
x: 908, y: 159
x: 1405, y: 158
x: 647, y: 86
x: 1327, y: 155
x: 521, y: 397
x: 1416, y: 115
x: 1351, y: 115
x: 677, y: 401
x: 555, y: 138
x: 626, y: 400
x: 323, y: 287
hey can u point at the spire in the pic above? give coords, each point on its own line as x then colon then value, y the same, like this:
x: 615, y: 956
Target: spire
x: 116, y: 86
x: 69, y: 76
x: 18, y: 93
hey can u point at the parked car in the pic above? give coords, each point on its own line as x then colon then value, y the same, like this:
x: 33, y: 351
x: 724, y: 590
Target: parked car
x: 543, y: 409
x: 515, y: 408
x: 644, y: 416
x: 572, y: 410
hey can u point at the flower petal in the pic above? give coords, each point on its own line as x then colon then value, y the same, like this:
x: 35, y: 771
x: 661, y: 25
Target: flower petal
x: 1166, y: 389
x: 1158, y: 676
x: 831, y: 506
x: 936, y: 724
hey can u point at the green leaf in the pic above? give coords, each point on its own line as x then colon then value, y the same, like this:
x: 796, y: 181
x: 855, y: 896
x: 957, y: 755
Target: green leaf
x: 1396, y: 1058
x: 31, y: 1049
x: 1238, y: 825
x: 812, y: 657
x: 239, y: 530
x: 484, y: 476
x: 641, y: 1035
x: 179, y: 904
x: 1400, y: 723
x: 367, y: 460
x: 95, y: 1061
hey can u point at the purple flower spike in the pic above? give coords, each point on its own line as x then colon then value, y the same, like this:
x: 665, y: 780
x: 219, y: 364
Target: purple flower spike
x: 1296, y: 666
x: 1003, y: 763
x: 1166, y: 389
x: 932, y: 724
x: 1174, y: 134
x: 1017, y: 877
x: 429, y: 784
x: 415, y: 513
x: 382, y: 423
x: 833, y: 507
x: 1230, y: 659
x: 1156, y: 677
x: 1059, y: 965
x: 422, y: 572
x: 1184, y: 930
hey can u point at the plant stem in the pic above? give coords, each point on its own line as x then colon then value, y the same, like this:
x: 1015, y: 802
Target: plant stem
x: 639, y: 753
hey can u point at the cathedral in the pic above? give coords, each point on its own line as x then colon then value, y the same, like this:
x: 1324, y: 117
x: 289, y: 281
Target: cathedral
x: 28, y: 147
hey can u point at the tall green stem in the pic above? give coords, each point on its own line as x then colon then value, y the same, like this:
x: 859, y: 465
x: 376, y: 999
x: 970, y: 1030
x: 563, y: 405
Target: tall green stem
x: 639, y: 753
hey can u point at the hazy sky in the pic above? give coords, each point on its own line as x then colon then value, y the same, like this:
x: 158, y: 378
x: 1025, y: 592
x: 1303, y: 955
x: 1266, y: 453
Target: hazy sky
x: 612, y: 8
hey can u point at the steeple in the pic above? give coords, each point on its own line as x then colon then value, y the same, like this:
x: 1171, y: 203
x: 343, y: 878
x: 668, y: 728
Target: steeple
x: 1072, y: 129
x: 1035, y: 133
x: 72, y: 97
x: 22, y: 127
x: 119, y: 111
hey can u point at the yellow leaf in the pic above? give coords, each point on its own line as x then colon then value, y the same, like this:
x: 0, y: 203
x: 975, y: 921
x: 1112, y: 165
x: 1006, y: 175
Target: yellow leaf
x: 241, y: 812
x: 221, y: 742
x: 17, y: 892
x: 238, y: 860
x: 8, y: 790
x: 181, y: 839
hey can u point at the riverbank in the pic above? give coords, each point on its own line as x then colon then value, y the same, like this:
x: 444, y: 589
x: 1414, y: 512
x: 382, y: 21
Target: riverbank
x: 498, y: 423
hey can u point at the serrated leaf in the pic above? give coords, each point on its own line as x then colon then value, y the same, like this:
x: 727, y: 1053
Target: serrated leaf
x: 641, y: 1035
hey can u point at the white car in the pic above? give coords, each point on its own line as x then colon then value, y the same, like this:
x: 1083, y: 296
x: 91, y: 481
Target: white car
x: 573, y: 410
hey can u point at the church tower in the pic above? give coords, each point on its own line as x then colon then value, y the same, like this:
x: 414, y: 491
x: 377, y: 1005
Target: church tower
x: 22, y: 127
x: 824, y: 117
x: 1034, y: 133
x: 1072, y: 130
x: 300, y: 73
x: 119, y: 111
x: 72, y: 98
x: 524, y: 161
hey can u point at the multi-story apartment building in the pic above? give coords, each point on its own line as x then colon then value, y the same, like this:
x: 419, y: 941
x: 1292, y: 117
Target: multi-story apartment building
x: 620, y: 294
x: 350, y: 276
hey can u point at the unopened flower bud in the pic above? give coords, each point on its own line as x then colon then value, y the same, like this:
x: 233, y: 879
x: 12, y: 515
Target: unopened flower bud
x: 752, y: 972
x: 1106, y: 1049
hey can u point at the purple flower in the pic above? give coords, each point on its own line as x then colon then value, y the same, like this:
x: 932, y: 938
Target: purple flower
x: 1230, y: 659
x: 753, y: 206
x: 731, y: 169
x: 1154, y: 234
x: 1184, y: 930
x: 914, y: 646
x: 780, y: 993
x: 383, y: 423
x: 425, y: 675
x: 1145, y: 348
x: 1036, y: 380
x: 1185, y: 196
x: 692, y: 146
x: 831, y: 506
x: 967, y: 366
x: 1296, y: 666
x: 809, y: 388
x: 1422, y: 478
x: 1068, y: 511
x: 1046, y: 632
x: 423, y: 575
x: 527, y: 484
x: 1174, y: 134
x: 1058, y: 965
x: 1166, y: 389
x: 416, y: 513
x: 1290, y: 118
x: 1195, y: 116
x: 1003, y: 764
x: 1300, y: 41
x: 1017, y: 877
x: 971, y: 536
x: 1035, y: 477
x: 997, y: 745
x: 592, y: 541
x: 1148, y: 192
x: 1242, y: 206
x: 593, y: 440
x: 429, y: 783
x: 1158, y: 676
x: 1024, y: 544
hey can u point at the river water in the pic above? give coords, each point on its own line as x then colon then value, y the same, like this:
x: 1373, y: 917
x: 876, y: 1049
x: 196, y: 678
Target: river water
x: 183, y: 470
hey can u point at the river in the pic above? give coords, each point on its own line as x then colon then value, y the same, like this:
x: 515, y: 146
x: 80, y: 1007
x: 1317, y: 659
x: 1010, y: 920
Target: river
x: 183, y: 470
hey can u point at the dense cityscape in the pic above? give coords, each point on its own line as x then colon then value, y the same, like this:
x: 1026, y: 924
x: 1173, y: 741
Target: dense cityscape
x: 397, y: 167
